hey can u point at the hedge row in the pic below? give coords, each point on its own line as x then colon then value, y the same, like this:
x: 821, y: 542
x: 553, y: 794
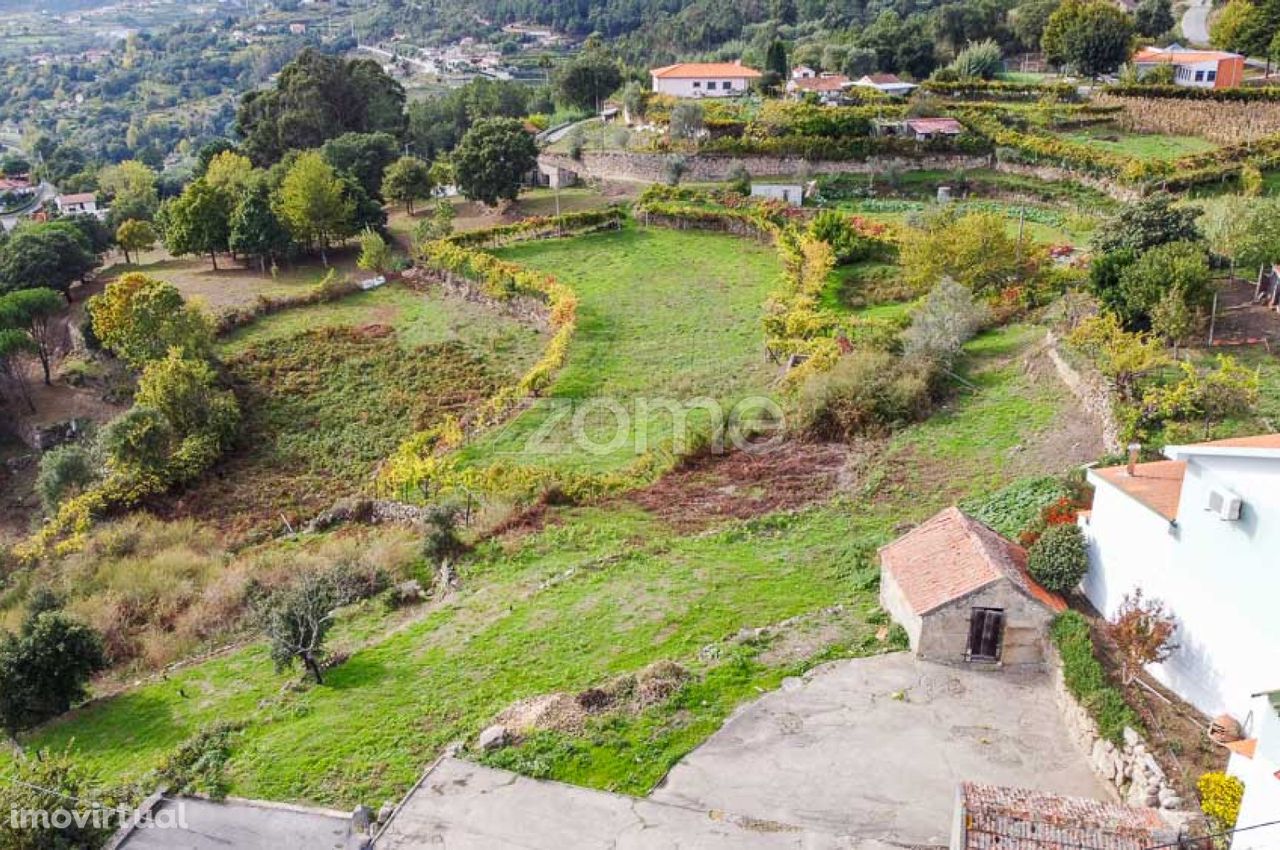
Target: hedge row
x: 1087, y: 681
x: 999, y: 88
x: 1261, y: 93
x: 819, y: 149
x: 540, y: 227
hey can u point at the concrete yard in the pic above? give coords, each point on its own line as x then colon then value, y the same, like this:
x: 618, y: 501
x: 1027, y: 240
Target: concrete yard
x: 874, y: 748
x: 195, y: 824
x: 861, y: 754
x: 464, y: 806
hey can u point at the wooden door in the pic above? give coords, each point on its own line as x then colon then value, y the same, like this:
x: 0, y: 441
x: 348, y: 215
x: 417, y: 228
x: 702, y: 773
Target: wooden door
x: 986, y: 634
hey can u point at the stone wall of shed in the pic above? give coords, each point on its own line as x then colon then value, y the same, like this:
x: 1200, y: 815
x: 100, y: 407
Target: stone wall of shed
x: 895, y: 602
x: 944, y: 634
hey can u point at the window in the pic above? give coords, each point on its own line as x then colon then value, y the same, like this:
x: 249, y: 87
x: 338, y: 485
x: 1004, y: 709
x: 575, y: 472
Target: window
x: 1199, y: 76
x: 697, y: 84
x: 986, y: 634
x: 727, y: 86
x: 1210, y: 76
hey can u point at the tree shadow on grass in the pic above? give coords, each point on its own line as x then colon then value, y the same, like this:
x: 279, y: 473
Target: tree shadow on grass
x: 359, y: 671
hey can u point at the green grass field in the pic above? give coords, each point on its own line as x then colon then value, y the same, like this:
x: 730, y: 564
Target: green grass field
x: 1139, y: 145
x: 597, y: 592
x: 418, y: 319
x: 663, y: 315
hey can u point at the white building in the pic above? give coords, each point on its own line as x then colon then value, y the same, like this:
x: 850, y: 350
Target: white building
x: 886, y: 84
x: 1202, y: 69
x: 1256, y: 762
x: 704, y: 79
x: 788, y: 193
x: 84, y: 202
x: 1200, y: 531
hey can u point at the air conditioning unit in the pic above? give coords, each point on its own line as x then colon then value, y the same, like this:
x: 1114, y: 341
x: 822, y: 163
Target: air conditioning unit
x: 1225, y: 505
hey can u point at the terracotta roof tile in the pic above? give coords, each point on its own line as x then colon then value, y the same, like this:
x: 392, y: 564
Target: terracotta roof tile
x: 950, y: 556
x: 830, y: 83
x: 1176, y: 57
x: 883, y: 79
x: 1259, y: 441
x: 1247, y: 748
x: 935, y: 125
x: 682, y: 70
x: 998, y: 818
x: 1157, y: 485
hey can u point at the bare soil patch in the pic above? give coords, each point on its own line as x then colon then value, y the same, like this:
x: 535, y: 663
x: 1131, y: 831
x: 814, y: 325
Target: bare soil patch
x: 745, y: 484
x: 1240, y: 321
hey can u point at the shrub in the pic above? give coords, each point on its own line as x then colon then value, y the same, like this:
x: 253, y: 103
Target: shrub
x: 740, y: 179
x: 297, y: 621
x: 140, y: 319
x: 1220, y: 798
x: 979, y: 60
x: 42, y: 781
x: 1058, y: 560
x: 841, y: 232
x: 1086, y: 680
x: 674, y: 169
x: 1143, y: 631
x: 45, y: 667
x: 199, y: 764
x: 948, y: 318
x: 867, y: 392
x: 64, y: 471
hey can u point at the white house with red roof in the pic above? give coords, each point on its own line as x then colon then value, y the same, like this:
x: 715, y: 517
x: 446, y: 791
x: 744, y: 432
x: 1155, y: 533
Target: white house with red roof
x: 886, y: 84
x: 1200, y: 531
x: 1204, y: 69
x: 704, y: 79
x: 963, y: 594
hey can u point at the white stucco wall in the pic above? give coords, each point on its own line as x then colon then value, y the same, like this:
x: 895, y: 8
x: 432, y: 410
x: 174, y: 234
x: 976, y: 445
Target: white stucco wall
x: 1261, y: 802
x: 699, y: 87
x: 1221, y: 579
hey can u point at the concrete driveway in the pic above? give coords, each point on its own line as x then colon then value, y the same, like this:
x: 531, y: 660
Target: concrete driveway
x: 874, y: 749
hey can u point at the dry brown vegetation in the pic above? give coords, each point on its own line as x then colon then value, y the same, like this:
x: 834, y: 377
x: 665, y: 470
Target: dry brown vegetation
x: 1226, y: 123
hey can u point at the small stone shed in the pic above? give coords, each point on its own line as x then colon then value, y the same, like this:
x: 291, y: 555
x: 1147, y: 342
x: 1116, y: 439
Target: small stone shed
x: 964, y: 595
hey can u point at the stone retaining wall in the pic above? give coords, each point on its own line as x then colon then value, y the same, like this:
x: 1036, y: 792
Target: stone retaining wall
x: 1129, y: 769
x: 1092, y: 391
x: 652, y: 167
x: 523, y: 308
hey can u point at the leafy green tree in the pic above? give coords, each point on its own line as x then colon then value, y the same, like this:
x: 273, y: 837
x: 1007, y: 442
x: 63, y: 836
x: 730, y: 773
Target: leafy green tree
x: 948, y: 318
x: 493, y: 159
x: 33, y: 312
x: 256, y: 231
x: 1181, y: 268
x: 364, y: 156
x: 775, y: 59
x: 15, y: 347
x: 687, y: 120
x: 1243, y: 27
x: 438, y: 225
x: 202, y: 417
x: 312, y: 204
x: 51, y: 254
x: 1153, y: 17
x: 1029, y: 18
x: 197, y: 222
x: 1152, y: 221
x: 1244, y: 230
x: 585, y: 82
x: 1093, y: 37
x: 783, y: 11
x: 1059, y: 560
x: 64, y: 471
x: 135, y: 236
x: 140, y: 319
x: 406, y: 181
x: 229, y: 173
x: 138, y: 444
x: 837, y: 230
x: 44, y: 669
x: 130, y: 189
x: 974, y: 249
x: 375, y: 254
x: 297, y: 621
x: 317, y: 97
x: 207, y: 153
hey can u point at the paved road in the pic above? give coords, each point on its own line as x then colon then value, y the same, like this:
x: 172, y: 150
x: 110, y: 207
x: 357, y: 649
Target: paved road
x: 1195, y: 22
x: 45, y: 192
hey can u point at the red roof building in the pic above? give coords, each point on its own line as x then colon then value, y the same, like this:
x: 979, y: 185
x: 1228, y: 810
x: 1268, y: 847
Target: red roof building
x: 963, y: 593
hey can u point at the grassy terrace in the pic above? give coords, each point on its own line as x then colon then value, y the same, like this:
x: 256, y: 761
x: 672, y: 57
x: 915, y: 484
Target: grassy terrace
x: 663, y: 315
x: 1139, y: 145
x: 596, y: 592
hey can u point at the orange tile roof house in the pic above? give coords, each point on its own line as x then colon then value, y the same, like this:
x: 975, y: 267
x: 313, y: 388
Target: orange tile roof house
x: 1206, y: 69
x: 991, y: 817
x: 963, y: 593
x: 704, y: 79
x: 1199, y: 530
